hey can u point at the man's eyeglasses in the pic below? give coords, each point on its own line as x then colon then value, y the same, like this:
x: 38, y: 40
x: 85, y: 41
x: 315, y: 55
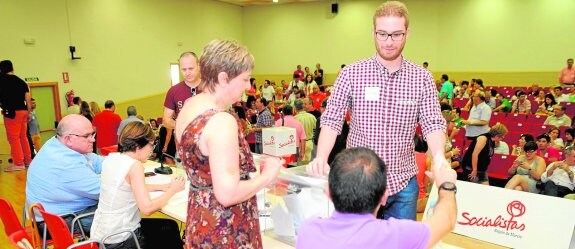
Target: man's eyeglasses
x: 383, y: 36
x: 86, y: 136
x: 193, y: 91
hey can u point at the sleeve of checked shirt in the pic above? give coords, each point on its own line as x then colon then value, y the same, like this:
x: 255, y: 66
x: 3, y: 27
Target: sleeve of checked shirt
x: 430, y: 116
x: 338, y: 103
x: 267, y: 120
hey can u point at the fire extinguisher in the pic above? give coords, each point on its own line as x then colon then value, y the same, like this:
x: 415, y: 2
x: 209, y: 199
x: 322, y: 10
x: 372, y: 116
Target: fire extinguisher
x: 70, y: 98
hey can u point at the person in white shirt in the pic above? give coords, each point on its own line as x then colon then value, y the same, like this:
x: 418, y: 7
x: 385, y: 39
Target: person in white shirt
x: 559, y: 118
x: 268, y: 91
x: 124, y: 194
x: 501, y: 146
x: 558, y: 178
x: 296, y: 82
x: 559, y: 96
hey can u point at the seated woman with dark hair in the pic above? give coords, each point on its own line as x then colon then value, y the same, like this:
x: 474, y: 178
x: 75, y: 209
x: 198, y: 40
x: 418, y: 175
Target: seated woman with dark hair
x: 556, y: 141
x: 526, y: 170
x: 518, y: 149
x: 569, y: 136
x: 546, y: 108
x: 124, y: 194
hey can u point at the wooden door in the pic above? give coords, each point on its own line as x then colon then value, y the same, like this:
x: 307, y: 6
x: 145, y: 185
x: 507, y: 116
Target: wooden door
x: 47, y: 107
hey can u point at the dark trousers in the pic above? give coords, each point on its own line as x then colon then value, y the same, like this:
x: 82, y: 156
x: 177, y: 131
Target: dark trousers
x: 553, y: 189
x: 154, y: 233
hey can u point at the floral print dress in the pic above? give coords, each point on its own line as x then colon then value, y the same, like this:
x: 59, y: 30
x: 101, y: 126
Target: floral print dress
x: 209, y: 224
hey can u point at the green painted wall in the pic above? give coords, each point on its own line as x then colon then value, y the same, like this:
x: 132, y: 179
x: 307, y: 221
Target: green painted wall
x: 453, y: 35
x: 126, y: 45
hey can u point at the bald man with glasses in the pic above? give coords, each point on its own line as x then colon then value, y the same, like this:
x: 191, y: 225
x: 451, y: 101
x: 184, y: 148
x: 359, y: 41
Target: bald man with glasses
x: 63, y: 176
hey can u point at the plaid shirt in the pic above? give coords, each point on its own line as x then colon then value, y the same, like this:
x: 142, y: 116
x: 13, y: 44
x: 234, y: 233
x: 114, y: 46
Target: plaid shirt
x: 385, y: 109
x: 264, y: 120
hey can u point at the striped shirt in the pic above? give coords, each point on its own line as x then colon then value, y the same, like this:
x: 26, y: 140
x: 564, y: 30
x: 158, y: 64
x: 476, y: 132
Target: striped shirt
x: 385, y: 109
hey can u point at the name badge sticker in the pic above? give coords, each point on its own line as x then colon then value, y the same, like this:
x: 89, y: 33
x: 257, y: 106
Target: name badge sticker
x: 372, y: 93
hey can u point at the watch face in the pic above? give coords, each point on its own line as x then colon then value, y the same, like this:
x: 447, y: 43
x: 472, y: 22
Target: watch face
x: 448, y: 186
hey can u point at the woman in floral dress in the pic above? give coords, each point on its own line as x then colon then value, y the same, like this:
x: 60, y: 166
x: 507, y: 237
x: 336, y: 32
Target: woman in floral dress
x: 222, y: 208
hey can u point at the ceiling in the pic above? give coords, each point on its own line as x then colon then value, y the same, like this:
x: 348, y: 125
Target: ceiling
x: 264, y: 2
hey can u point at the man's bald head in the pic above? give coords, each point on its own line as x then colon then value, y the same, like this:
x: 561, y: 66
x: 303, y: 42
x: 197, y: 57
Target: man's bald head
x: 76, y: 132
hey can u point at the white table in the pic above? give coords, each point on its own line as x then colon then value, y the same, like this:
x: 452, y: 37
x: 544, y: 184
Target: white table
x: 177, y: 206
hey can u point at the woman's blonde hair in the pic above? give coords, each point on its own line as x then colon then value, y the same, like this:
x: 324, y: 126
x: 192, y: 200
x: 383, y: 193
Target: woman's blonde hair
x: 498, y: 130
x: 223, y: 56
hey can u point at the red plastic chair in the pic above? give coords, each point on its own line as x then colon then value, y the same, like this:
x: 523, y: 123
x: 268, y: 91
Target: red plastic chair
x: 518, y: 127
x: 537, y: 119
x: 9, y: 218
x: 21, y: 240
x: 517, y: 118
x: 499, y: 166
x: 61, y: 235
x: 460, y: 102
x: 464, y: 114
x: 498, y: 117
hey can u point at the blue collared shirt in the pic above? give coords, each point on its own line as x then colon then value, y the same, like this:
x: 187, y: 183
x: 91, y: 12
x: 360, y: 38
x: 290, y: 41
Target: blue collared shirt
x: 343, y: 230
x: 63, y: 180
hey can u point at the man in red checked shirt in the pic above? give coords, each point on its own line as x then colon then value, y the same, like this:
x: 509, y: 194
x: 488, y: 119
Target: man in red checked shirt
x: 388, y: 96
x: 567, y: 75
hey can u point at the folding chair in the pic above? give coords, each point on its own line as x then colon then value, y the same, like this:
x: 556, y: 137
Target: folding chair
x: 61, y: 235
x: 9, y: 218
x: 464, y: 114
x: 500, y: 165
x: 518, y: 127
x: 537, y: 119
x: 498, y: 117
x: 21, y: 240
x: 537, y: 130
x: 34, y: 211
x: 460, y: 102
x: 512, y: 138
x: 517, y: 118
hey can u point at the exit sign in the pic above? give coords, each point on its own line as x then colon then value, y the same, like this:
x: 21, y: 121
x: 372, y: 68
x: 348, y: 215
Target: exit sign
x: 31, y: 79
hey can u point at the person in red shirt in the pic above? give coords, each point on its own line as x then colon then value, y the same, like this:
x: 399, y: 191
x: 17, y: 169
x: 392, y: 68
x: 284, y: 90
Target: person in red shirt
x: 317, y: 96
x: 106, y: 124
x: 299, y: 72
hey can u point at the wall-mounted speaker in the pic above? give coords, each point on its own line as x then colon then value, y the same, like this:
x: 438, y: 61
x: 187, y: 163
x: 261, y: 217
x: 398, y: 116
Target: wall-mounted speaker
x: 334, y: 8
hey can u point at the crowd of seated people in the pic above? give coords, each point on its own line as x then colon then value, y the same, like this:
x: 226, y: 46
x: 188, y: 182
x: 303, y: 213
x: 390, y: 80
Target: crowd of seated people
x: 544, y: 112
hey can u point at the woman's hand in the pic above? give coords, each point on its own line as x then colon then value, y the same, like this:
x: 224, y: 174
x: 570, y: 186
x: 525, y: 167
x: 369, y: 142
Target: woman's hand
x: 270, y: 167
x: 178, y: 183
x: 473, y: 175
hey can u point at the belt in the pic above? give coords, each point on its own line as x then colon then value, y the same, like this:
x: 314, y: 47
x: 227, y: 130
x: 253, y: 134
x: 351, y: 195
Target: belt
x: 243, y: 177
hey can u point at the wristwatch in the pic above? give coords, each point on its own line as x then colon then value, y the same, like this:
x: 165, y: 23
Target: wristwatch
x: 449, y: 186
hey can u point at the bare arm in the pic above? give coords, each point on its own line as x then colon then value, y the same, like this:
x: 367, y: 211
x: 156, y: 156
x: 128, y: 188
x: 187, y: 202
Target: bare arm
x: 444, y: 216
x: 28, y: 101
x: 219, y: 142
x: 319, y: 166
x: 436, y: 141
x: 477, y: 123
x: 148, y: 206
x: 536, y: 174
x: 481, y: 141
x: 168, y: 118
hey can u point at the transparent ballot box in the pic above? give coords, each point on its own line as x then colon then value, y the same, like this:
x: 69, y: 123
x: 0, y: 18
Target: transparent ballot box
x: 293, y: 198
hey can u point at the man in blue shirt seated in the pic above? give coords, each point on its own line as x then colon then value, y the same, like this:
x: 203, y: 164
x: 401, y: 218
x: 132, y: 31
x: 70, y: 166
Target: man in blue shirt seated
x: 357, y: 188
x: 63, y: 176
